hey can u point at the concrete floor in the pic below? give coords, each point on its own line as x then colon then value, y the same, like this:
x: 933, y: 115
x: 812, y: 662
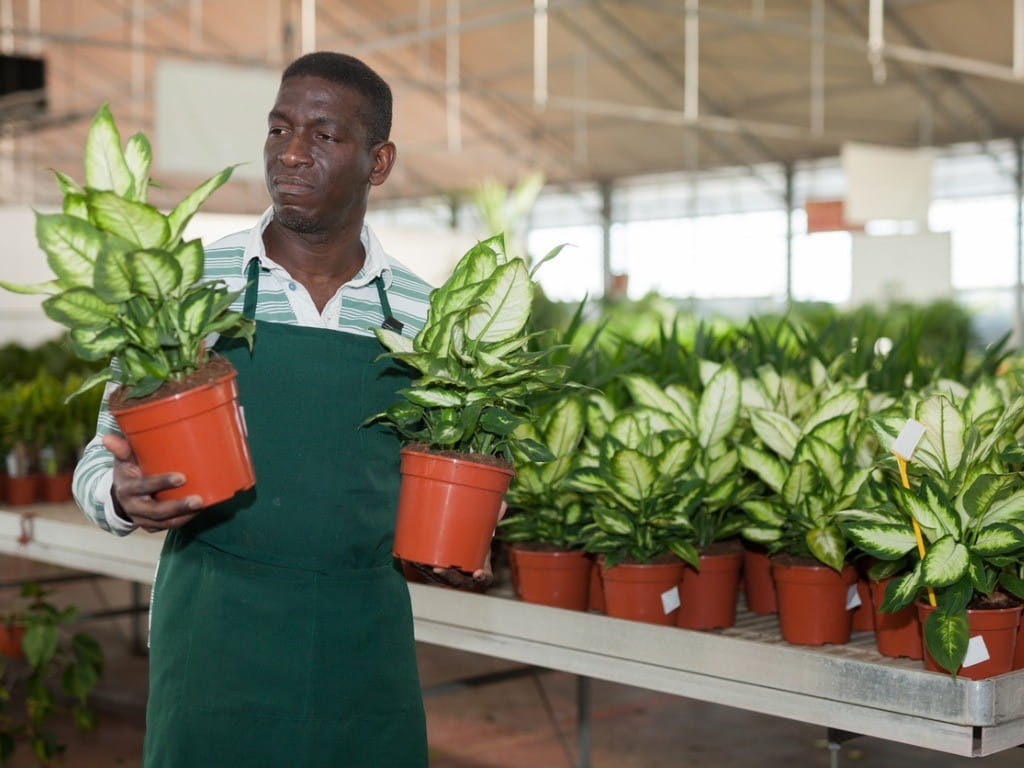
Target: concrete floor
x: 525, y: 722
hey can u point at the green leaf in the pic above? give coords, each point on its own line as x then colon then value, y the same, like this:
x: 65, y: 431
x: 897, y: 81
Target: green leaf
x: 944, y: 563
x: 138, y: 223
x: 113, y: 280
x: 192, y: 260
x: 765, y: 466
x: 1013, y: 583
x: 901, y: 592
x: 799, y: 484
x: 944, y: 432
x: 1006, y: 510
x: 946, y: 636
x: 760, y: 534
x: 105, y: 165
x: 632, y: 474
x: 138, y: 156
x: 431, y: 397
x: 685, y: 551
x: 155, y: 274
x: 564, y: 426
x: 97, y: 344
x: 886, y: 542
x: 498, y: 421
x: 676, y: 458
x: 395, y: 342
x: 613, y: 521
x: 71, y: 247
x: 47, y: 289
x: 983, y: 491
x: 719, y: 407
x: 939, y: 504
x: 533, y: 451
x: 776, y: 431
x: 823, y: 456
x: 186, y: 209
x: 503, y: 305
x: 39, y: 643
x: 998, y: 539
x: 79, y: 308
x: 957, y: 596
x: 764, y: 512
x: 827, y: 545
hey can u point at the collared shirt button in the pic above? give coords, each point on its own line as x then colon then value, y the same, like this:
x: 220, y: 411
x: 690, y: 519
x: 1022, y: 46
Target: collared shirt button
x: 291, y: 286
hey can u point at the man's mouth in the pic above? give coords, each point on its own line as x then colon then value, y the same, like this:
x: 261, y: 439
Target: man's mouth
x: 291, y: 185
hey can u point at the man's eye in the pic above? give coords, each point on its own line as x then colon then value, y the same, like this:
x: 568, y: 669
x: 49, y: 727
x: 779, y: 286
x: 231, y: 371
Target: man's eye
x: 276, y: 131
x: 327, y: 137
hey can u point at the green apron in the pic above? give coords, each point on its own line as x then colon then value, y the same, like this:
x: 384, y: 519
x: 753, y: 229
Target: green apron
x: 281, y: 627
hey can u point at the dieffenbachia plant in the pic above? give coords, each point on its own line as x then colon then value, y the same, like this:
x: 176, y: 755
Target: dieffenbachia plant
x: 710, y: 419
x: 968, y: 499
x: 477, y: 371
x: 813, y: 470
x: 125, y: 282
x: 543, y: 508
x: 635, y: 477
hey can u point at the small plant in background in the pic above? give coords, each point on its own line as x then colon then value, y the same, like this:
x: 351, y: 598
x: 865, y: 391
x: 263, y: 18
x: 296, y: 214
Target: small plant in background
x: 74, y: 665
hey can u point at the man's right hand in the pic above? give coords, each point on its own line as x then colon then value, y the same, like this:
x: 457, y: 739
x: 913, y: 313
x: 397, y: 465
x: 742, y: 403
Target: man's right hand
x: 134, y: 493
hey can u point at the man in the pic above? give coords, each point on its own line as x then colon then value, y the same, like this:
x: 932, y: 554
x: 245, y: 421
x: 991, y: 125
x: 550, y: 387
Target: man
x: 281, y: 632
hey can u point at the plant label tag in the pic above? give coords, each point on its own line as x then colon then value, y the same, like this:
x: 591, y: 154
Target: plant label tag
x: 977, y: 651
x: 670, y: 600
x: 908, y: 439
x: 852, y: 598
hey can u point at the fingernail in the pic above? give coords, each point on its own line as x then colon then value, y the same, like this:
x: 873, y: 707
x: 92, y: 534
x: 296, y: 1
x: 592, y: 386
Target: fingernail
x: 178, y: 479
x: 194, y: 502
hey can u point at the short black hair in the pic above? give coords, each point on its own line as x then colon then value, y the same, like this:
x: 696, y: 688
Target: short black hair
x: 349, y: 71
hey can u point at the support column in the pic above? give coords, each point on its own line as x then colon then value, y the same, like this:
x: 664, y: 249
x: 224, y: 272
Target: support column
x: 1018, y: 288
x: 606, y: 237
x: 583, y: 721
x: 788, y: 168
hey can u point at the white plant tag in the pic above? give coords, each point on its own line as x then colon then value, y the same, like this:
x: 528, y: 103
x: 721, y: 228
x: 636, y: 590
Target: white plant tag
x: 908, y: 439
x: 977, y: 651
x: 852, y: 598
x: 670, y: 600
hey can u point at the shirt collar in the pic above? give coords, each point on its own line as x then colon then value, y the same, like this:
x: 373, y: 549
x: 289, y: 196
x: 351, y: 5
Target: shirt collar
x: 377, y: 260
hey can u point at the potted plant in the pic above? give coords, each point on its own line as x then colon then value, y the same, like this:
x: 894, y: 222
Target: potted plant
x: 129, y: 287
x: 460, y: 416
x: 708, y: 589
x: 545, y: 527
x: 814, y: 472
x: 966, y: 498
x: 635, y: 480
x: 32, y: 631
x: 19, y: 412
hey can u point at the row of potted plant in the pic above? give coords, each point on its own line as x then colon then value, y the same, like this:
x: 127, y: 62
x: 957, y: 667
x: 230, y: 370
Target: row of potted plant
x: 41, y: 436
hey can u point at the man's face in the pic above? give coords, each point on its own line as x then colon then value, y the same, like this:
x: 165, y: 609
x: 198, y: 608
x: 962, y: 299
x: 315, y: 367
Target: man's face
x: 318, y: 166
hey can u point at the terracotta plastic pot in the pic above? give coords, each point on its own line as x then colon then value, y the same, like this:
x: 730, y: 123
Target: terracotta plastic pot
x: 812, y: 603
x: 708, y: 596
x: 634, y: 591
x: 447, y: 510
x: 560, y: 579
x: 595, y: 601
x: 513, y: 571
x: 10, y: 641
x: 758, y: 587
x: 999, y: 629
x: 55, y: 488
x: 1018, y: 653
x: 896, y: 634
x: 22, y: 490
x: 199, y: 433
x: 864, y: 614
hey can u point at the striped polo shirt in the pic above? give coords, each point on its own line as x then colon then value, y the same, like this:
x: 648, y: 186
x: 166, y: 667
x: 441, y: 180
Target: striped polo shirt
x: 355, y: 309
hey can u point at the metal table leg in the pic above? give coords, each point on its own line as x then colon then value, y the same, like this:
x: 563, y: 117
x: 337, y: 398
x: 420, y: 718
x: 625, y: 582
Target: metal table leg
x: 583, y: 721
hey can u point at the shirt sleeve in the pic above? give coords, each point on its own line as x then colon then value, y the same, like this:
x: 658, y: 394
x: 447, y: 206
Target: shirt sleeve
x: 94, y: 476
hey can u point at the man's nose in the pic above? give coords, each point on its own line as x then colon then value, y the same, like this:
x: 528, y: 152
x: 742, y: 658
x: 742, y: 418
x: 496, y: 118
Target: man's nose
x: 296, y: 150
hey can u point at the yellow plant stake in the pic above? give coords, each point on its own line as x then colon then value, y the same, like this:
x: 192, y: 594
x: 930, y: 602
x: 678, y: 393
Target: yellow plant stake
x: 905, y: 444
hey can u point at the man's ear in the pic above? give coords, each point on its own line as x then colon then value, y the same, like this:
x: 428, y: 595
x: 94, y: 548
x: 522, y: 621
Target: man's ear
x: 384, y: 155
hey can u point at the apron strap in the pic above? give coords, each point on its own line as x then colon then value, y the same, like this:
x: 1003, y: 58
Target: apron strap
x: 391, y: 322
x: 252, y: 292
x: 252, y: 289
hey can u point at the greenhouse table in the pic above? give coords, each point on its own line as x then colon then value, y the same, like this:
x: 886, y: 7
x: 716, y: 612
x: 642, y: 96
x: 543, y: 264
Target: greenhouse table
x: 848, y: 687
